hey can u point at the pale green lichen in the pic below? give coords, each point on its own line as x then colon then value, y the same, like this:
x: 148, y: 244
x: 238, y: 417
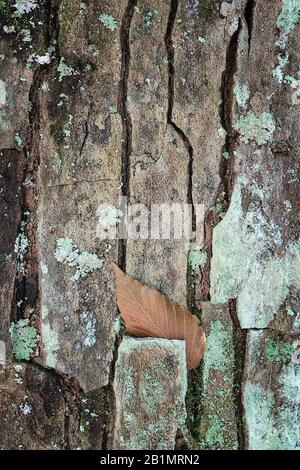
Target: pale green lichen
x: 117, y: 325
x: 113, y: 109
x: 149, y: 14
x: 65, y: 70
x: 85, y: 263
x: 293, y: 82
x: 279, y: 351
x: 197, y: 259
x: 3, y: 93
x: 217, y: 426
x: 23, y: 339
x: 278, y: 71
x: 289, y: 15
x: 242, y: 94
x: 64, y: 249
x: 272, y: 427
x: 89, y: 322
x: 109, y: 21
x: 289, y: 380
x: 21, y: 247
x: 290, y: 312
x: 9, y: 29
x: 222, y: 132
x: 218, y: 353
x: 50, y: 343
x: 45, y: 312
x: 145, y: 391
x: 218, y: 208
x: 25, y: 6
x: 109, y: 216
x: 67, y: 129
x: 295, y: 85
x: 258, y: 404
x: 252, y: 127
x: 287, y: 20
x: 26, y: 33
x: 44, y: 268
x: 56, y: 162
x: 18, y: 140
x: 240, y: 267
x: 214, y: 436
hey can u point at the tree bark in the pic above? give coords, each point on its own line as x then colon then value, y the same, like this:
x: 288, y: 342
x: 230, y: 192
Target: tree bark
x: 163, y: 102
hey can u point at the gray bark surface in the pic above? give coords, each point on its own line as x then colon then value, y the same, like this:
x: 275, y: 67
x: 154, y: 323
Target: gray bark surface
x: 174, y: 101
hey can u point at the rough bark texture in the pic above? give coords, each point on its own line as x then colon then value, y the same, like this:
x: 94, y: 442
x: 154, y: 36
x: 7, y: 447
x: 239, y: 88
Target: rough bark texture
x: 149, y: 419
x: 174, y: 101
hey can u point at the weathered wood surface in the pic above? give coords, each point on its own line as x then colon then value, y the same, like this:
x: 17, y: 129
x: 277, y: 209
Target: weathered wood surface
x: 178, y: 101
x: 150, y: 387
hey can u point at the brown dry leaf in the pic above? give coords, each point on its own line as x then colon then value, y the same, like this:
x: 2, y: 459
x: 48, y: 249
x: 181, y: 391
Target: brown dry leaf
x: 146, y: 312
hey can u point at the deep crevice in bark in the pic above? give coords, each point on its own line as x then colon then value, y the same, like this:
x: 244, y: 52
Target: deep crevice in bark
x: 239, y: 337
x: 171, y: 76
x: 226, y: 164
x: 125, y: 190
x: 249, y: 14
x: 224, y: 194
x: 109, y: 425
x: 27, y: 284
x: 193, y: 398
x: 70, y: 390
x: 70, y: 386
x: 183, y: 137
x: 125, y: 115
x: 226, y: 187
x: 227, y: 97
x: 85, y: 136
x: 27, y: 289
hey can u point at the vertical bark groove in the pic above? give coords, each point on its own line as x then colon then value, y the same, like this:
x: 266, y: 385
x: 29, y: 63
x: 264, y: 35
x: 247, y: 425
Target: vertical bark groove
x: 183, y: 137
x: 227, y: 97
x: 171, y: 69
x: 226, y: 186
x: 193, y: 379
x: 125, y: 115
x: 226, y: 165
x: 70, y: 388
x: 125, y: 182
x: 249, y: 14
x: 26, y: 288
x: 239, y: 338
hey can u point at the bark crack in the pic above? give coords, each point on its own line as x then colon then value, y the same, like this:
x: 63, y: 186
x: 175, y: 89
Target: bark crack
x: 70, y: 390
x: 85, y: 136
x: 182, y: 135
x: 193, y: 379
x: 226, y: 188
x: 124, y: 112
x: 125, y: 189
x: 26, y: 286
x: 224, y: 193
x: 226, y: 168
x: 171, y: 76
x: 249, y: 15
x: 227, y: 97
x: 239, y: 339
